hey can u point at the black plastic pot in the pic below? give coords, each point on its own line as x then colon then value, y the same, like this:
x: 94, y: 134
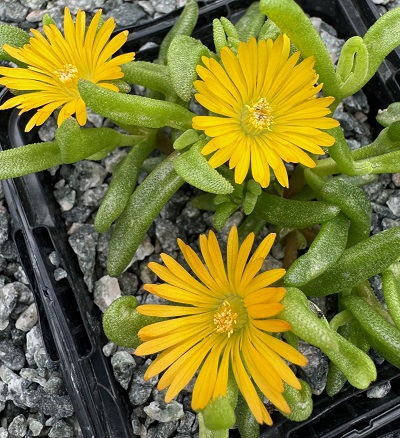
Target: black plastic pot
x: 71, y: 324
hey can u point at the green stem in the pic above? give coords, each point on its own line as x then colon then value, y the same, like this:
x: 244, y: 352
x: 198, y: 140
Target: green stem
x: 365, y: 291
x: 340, y: 319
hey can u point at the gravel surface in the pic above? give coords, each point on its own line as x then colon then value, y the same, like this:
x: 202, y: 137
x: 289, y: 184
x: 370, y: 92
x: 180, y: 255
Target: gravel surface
x: 33, y: 400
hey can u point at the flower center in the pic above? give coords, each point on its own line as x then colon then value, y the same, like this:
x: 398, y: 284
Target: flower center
x: 67, y: 73
x: 260, y: 114
x: 231, y: 315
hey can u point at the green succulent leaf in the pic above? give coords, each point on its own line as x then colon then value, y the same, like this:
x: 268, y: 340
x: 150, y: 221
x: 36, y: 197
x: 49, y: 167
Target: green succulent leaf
x: 358, y: 263
x: 149, y: 75
x: 29, y: 159
x: 121, y: 322
x: 184, y: 55
x: 219, y: 35
x: 250, y: 24
x: 184, y: 26
x: 193, y: 167
x: 381, y: 38
x: 391, y: 291
x: 354, y: 363
x: 352, y: 66
x: 383, y: 336
x: 78, y: 143
x: 354, y: 203
x: 325, y: 250
x: 144, y: 205
x: 128, y: 109
x: 390, y: 115
x: 123, y: 184
x: 299, y: 400
x: 223, y: 213
x: 187, y: 138
x: 246, y: 422
x: 15, y: 37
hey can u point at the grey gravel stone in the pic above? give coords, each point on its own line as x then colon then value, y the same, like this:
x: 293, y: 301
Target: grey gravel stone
x: 87, y: 174
x: 33, y: 4
x: 394, y: 203
x: 357, y: 102
x: 18, y: 426
x: 16, y: 384
x: 379, y: 391
x: 316, y: 370
x: 144, y: 249
x: 58, y: 406
x: 20, y: 275
x: 123, y: 365
x: 54, y: 258
x: 42, y: 359
x: 14, y: 12
x: 66, y: 197
x: 83, y: 242
x: 11, y: 355
x: 164, y: 413
x: 35, y: 426
x: 25, y: 295
x: 140, y: 390
x: 9, y: 250
x: 167, y: 233
x: 333, y: 44
x: 109, y: 349
x: 3, y: 224
x: 61, y: 429
x: 59, y: 274
x: 106, y: 290
x: 163, y: 7
x: 32, y: 375
x: 162, y: 430
x: 54, y: 385
x: 396, y: 179
x: 27, y: 319
x: 127, y: 14
x: 128, y: 283
x: 186, y: 423
x: 139, y: 393
x: 79, y: 213
x: 389, y: 223
x: 33, y: 343
x: 8, y: 300
x: 146, y: 274
x: 93, y: 197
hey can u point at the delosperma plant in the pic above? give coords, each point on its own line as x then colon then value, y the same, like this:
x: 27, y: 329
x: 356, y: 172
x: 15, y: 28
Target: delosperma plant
x: 268, y: 93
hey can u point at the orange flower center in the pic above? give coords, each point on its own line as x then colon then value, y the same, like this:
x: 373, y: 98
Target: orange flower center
x: 260, y: 114
x: 230, y: 316
x: 67, y: 73
x: 225, y: 319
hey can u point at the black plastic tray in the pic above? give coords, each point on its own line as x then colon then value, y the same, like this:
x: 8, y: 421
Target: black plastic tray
x: 71, y: 324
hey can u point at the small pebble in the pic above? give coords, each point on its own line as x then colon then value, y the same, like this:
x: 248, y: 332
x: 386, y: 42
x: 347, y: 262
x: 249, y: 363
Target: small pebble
x: 379, y: 391
x: 106, y: 290
x: 27, y: 319
x: 123, y: 365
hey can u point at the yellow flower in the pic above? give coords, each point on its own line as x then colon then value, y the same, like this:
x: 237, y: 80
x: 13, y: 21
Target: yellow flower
x: 222, y: 322
x: 57, y: 63
x: 267, y: 110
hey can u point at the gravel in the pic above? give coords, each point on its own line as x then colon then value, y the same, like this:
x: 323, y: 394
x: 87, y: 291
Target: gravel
x: 33, y: 400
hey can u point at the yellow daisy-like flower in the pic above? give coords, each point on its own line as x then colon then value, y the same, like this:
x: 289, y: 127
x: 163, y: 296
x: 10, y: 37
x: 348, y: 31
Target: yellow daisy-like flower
x: 57, y: 63
x: 267, y: 110
x: 223, y: 321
